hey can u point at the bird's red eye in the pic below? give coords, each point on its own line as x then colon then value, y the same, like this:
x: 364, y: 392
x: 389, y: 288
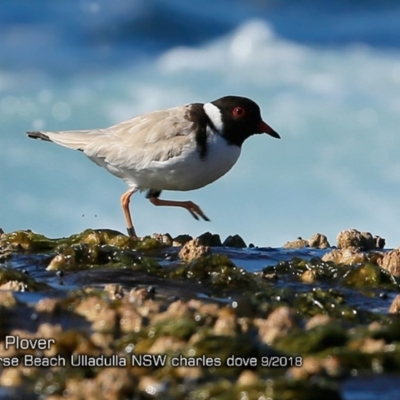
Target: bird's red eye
x: 238, y: 112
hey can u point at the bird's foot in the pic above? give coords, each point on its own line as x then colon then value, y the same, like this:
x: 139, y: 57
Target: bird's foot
x: 195, y: 210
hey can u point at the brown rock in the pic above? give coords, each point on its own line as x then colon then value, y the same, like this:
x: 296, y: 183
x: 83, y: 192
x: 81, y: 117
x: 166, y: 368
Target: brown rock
x: 309, y: 276
x: 391, y: 262
x: 130, y: 319
x: 97, y: 311
x: 329, y: 366
x: 348, y: 256
x: 164, y: 344
x: 234, y: 241
x: 47, y: 305
x: 7, y: 299
x: 395, y: 306
x: 15, y: 286
x: 311, y: 366
x: 192, y: 250
x: 164, y: 238
x: 278, y: 324
x: 370, y: 345
x: 296, y: 244
x: 138, y: 296
x: 226, y: 324
x: 319, y: 241
x: 248, y: 378
x: 362, y: 240
x: 114, y: 291
x: 151, y: 386
x: 11, y: 377
x: 317, y: 320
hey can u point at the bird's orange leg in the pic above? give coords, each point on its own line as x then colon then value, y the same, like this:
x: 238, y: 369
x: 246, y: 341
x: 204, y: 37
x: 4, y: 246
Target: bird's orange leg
x: 193, y: 208
x: 125, y: 199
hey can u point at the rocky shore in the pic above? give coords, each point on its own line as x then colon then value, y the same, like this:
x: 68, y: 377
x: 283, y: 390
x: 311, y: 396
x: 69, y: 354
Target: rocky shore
x: 100, y: 315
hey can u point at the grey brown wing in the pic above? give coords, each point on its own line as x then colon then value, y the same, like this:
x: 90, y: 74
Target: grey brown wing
x: 157, y: 136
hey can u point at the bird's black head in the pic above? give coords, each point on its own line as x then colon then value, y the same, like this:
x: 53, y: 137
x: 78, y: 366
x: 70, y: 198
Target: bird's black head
x: 241, y: 118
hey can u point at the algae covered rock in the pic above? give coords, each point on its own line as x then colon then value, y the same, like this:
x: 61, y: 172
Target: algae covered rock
x: 27, y: 240
x: 193, y: 250
x: 278, y: 324
x: 11, y: 279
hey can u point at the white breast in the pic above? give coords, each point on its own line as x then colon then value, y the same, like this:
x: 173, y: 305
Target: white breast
x: 187, y: 171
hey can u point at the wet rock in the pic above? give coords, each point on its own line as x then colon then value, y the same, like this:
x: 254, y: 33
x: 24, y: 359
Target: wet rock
x: 193, y: 250
x: 209, y: 239
x: 361, y: 240
x: 370, y: 345
x: 26, y: 240
x: 347, y: 256
x: 226, y: 324
x: 278, y: 324
x: 317, y: 320
x: 234, y: 241
x: 319, y: 241
x: 311, y: 366
x: 315, y: 366
x: 309, y: 276
x: 97, y: 311
x: 10, y: 377
x: 296, y: 244
x: 150, y: 385
x: 368, y: 275
x: 164, y: 238
x: 165, y: 344
x: 391, y: 262
x: 139, y: 296
x: 115, y: 383
x: 12, y: 279
x: 177, y: 309
x: 59, y: 262
x: 395, y: 306
x: 47, y: 305
x: 247, y: 378
x: 5, y: 252
x: 181, y: 240
x: 114, y: 291
x: 7, y: 299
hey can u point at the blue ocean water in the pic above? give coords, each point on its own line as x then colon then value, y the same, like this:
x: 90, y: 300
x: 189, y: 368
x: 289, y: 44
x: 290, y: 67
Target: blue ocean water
x: 326, y: 75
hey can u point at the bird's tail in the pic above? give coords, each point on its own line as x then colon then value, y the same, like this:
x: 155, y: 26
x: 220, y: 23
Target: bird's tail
x: 76, y: 140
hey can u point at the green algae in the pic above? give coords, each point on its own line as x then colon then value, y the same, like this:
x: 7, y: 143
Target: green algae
x: 34, y: 242
x: 218, y: 272
x: 361, y: 276
x: 315, y: 340
x: 26, y: 282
